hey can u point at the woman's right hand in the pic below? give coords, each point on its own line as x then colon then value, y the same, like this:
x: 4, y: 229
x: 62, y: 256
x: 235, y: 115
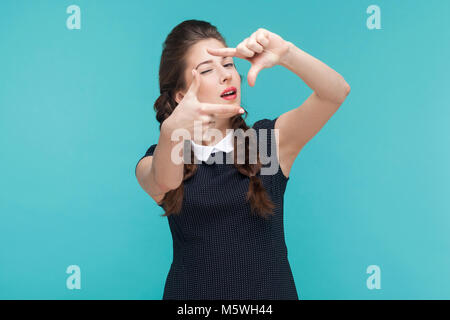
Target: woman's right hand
x: 190, y: 111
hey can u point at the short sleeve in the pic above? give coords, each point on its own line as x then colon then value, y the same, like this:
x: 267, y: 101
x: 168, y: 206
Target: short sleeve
x: 149, y: 152
x: 269, y: 124
x: 264, y: 124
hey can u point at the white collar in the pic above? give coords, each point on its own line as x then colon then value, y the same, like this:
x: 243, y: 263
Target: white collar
x: 202, y: 152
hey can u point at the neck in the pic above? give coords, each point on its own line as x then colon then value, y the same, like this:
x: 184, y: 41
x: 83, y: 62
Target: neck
x: 222, y: 127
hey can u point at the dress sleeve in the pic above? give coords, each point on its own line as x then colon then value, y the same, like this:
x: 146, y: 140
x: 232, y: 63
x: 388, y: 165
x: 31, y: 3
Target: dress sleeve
x: 149, y: 152
x: 278, y: 178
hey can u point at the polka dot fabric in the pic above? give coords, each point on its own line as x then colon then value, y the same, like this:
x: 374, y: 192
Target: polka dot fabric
x: 220, y: 249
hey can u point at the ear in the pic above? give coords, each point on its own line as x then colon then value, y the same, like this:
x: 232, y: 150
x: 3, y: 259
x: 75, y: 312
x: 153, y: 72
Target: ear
x: 179, y: 96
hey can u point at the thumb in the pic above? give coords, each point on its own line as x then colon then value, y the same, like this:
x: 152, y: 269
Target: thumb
x: 253, y: 73
x: 195, y: 84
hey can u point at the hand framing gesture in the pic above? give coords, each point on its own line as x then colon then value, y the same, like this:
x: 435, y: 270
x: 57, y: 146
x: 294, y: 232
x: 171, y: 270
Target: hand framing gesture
x: 190, y: 110
x: 263, y: 49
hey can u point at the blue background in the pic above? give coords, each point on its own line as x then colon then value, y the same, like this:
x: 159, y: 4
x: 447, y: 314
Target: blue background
x: 76, y: 113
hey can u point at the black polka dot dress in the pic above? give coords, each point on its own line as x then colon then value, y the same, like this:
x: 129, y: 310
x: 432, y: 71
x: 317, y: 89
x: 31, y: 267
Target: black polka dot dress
x: 220, y: 249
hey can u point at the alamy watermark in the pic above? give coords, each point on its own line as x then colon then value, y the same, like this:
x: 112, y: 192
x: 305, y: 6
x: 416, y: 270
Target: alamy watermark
x: 374, y: 280
x: 183, y: 136
x: 73, y: 22
x: 74, y: 280
x: 374, y: 20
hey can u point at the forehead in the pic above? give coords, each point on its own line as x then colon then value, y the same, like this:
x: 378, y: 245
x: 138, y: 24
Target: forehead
x: 197, y: 53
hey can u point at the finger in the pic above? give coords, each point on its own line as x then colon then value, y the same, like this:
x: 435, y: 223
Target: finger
x: 253, y: 73
x: 244, y: 50
x: 195, y: 84
x: 253, y: 45
x: 226, y: 115
x: 262, y: 39
x: 226, y: 52
x: 205, y: 118
x: 219, y: 109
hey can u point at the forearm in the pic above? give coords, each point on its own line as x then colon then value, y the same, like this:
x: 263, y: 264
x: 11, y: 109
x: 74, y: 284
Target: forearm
x: 165, y: 171
x: 324, y: 81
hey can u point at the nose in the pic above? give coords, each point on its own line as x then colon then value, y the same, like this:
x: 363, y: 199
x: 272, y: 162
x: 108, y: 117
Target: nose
x: 225, y: 75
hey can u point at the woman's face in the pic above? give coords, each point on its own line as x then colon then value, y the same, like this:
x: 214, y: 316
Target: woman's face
x: 215, y: 76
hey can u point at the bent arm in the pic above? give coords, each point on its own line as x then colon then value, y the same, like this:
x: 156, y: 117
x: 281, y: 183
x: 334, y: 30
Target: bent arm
x: 158, y: 174
x: 301, y: 124
x: 323, y: 80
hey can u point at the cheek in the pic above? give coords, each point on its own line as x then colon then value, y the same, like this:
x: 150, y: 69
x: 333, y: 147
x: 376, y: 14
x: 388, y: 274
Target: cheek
x: 207, y: 90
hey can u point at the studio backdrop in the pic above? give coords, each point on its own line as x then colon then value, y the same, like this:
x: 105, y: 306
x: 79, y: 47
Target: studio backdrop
x: 366, y: 208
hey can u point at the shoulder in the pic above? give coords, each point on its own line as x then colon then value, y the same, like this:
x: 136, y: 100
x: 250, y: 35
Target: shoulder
x: 268, y: 135
x: 148, y: 153
x: 150, y: 150
x: 271, y: 136
x: 264, y: 124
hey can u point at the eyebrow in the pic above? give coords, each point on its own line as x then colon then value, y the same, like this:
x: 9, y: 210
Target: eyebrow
x: 208, y: 61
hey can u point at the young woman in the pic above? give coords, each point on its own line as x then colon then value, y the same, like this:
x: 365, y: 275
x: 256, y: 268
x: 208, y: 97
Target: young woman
x: 226, y: 219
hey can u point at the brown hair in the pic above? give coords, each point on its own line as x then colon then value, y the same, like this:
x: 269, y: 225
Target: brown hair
x: 171, y: 79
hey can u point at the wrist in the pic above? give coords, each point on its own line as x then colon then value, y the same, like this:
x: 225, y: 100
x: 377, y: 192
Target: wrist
x: 285, y: 58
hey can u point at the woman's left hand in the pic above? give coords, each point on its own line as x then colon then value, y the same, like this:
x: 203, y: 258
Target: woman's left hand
x: 263, y: 49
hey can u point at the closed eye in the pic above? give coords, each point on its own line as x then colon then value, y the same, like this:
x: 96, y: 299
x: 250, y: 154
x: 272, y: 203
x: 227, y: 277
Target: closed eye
x: 228, y: 64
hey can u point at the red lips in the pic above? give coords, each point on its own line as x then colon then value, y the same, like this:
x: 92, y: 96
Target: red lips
x: 228, y: 90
